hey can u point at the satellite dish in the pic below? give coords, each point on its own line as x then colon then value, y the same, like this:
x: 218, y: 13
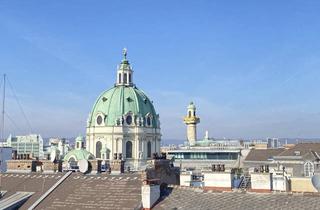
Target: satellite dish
x: 316, y: 182
x: 53, y: 155
x: 83, y: 166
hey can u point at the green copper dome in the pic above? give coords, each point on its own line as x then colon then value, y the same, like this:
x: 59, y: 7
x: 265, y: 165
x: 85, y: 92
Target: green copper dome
x: 115, y: 104
x: 124, y: 104
x: 79, y: 154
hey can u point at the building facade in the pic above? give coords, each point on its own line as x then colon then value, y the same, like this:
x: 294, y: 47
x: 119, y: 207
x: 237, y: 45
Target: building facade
x: 27, y: 145
x: 123, y: 121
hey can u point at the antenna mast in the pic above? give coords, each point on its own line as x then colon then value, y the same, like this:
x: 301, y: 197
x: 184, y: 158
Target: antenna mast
x: 3, y: 104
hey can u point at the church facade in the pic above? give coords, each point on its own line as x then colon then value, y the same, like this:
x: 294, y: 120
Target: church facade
x: 123, y: 121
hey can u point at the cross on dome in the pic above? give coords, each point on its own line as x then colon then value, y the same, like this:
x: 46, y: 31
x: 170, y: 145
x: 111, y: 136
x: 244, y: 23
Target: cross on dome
x: 124, y: 52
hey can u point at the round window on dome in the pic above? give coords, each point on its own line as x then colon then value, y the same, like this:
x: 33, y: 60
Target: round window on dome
x: 129, y: 119
x: 99, y: 120
x: 148, y: 121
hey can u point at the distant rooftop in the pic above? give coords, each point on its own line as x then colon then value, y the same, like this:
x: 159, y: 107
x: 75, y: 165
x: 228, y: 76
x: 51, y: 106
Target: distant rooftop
x: 194, y: 199
x: 263, y: 154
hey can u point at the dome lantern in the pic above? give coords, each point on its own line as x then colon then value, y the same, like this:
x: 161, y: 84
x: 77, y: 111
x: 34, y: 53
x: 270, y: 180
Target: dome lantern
x: 124, y: 72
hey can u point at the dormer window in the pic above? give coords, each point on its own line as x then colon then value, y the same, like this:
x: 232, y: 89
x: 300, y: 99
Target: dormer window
x: 129, y: 120
x: 100, y: 119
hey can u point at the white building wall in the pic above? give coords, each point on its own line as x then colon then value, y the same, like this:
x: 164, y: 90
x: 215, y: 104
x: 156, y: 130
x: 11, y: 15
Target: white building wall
x: 218, y: 179
x: 185, y: 178
x: 261, y: 181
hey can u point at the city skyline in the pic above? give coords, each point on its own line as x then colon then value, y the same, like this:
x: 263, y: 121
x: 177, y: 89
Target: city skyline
x: 251, y: 71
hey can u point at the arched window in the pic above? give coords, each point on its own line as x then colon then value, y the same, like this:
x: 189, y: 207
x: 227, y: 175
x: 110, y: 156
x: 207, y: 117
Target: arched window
x: 194, y: 113
x: 148, y: 120
x: 149, y: 149
x: 189, y: 113
x: 130, y: 78
x: 72, y: 162
x: 125, y: 78
x: 308, y: 169
x: 129, y: 149
x: 98, y: 149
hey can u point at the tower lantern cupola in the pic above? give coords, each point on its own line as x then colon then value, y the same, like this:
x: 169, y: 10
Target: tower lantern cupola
x: 124, y: 72
x: 191, y: 120
x: 79, y: 143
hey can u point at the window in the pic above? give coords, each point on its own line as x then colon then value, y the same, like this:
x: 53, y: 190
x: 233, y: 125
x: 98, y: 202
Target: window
x: 125, y: 78
x: 129, y: 78
x: 308, y: 169
x: 149, y: 149
x: 99, y: 120
x: 98, y: 149
x: 119, y: 78
x: 148, y: 121
x: 129, y: 119
x: 189, y: 113
x: 129, y: 149
x: 72, y: 162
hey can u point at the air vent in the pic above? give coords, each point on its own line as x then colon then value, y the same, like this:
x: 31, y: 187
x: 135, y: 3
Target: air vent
x: 129, y: 99
x: 104, y: 99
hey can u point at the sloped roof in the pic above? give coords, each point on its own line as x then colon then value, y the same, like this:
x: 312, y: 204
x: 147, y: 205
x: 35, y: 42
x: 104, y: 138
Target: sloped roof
x: 303, y: 148
x: 262, y: 154
x: 31, y: 182
x: 102, y: 191
x: 194, y: 199
x: 78, y: 191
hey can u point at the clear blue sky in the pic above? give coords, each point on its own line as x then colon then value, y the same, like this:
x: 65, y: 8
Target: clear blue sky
x: 251, y: 67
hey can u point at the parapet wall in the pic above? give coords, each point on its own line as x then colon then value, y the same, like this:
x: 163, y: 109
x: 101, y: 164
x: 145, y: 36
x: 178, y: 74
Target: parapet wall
x: 25, y: 166
x: 302, y: 184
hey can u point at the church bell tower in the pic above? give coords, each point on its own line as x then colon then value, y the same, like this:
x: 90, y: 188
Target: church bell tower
x: 191, y: 120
